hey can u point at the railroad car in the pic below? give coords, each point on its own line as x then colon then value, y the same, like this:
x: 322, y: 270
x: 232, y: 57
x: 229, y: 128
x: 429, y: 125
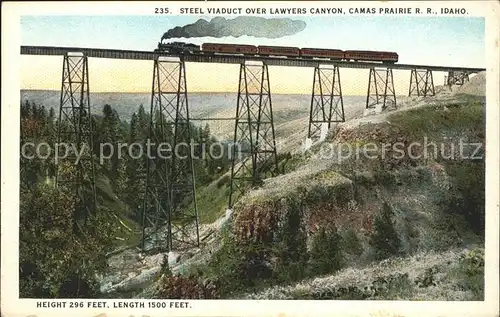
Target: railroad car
x: 332, y: 54
x: 371, y: 56
x: 178, y: 48
x: 322, y: 53
x: 279, y: 51
x: 229, y: 48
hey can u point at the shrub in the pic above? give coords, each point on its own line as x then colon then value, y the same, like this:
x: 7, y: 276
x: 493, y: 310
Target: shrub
x: 351, y: 243
x: 326, y: 255
x: 467, y: 274
x: 79, y: 285
x: 182, y: 287
x: 428, y: 278
x: 256, y: 223
x: 384, y: 239
x: 165, y: 267
x: 338, y: 293
x: 471, y: 272
x: 445, y: 231
x: 383, y: 177
x: 394, y: 286
x: 283, y: 159
x: 408, y: 226
x: 473, y: 262
x: 237, y: 266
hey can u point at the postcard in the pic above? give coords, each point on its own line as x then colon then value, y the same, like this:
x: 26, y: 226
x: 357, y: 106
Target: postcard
x: 207, y: 158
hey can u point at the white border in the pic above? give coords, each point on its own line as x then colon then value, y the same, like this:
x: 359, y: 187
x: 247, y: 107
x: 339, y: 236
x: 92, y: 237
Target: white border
x: 13, y: 306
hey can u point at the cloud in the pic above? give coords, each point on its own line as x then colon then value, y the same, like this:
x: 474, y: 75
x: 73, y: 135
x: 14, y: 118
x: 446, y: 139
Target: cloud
x: 244, y: 25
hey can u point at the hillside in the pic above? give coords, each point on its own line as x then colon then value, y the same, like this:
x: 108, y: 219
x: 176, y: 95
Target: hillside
x: 394, y: 224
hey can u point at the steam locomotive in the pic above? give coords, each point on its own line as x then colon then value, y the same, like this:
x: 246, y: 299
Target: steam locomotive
x: 261, y: 50
x: 178, y: 48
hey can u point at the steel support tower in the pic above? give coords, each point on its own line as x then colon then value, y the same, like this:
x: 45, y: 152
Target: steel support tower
x: 327, y: 104
x: 380, y: 88
x: 421, y: 83
x: 254, y: 155
x: 75, y: 127
x: 170, y: 199
x: 457, y: 78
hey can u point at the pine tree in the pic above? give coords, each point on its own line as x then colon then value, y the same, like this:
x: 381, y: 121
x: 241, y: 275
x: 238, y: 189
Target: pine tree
x: 34, y: 111
x: 133, y: 133
x: 52, y: 114
x: 142, y: 123
x: 206, y: 133
x: 384, y: 239
x: 43, y: 113
x: 292, y: 248
x: 326, y: 254
x: 135, y: 168
x: 109, y: 134
x: 25, y: 109
x: 121, y: 178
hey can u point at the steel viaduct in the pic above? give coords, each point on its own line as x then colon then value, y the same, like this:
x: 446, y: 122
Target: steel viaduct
x: 169, y: 179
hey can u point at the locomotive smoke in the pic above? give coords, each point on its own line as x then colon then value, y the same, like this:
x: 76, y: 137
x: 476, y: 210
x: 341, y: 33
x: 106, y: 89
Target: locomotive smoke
x: 244, y: 25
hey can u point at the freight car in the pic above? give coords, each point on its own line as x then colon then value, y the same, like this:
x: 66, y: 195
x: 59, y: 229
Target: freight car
x: 371, y: 56
x: 279, y: 51
x: 322, y: 53
x: 229, y: 48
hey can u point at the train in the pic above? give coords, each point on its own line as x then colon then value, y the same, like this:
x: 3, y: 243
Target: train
x: 286, y: 51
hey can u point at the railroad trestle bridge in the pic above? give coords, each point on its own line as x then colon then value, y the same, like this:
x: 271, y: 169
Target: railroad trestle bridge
x: 254, y: 126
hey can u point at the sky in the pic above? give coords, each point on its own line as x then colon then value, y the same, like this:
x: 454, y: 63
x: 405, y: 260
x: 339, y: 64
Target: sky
x: 444, y: 41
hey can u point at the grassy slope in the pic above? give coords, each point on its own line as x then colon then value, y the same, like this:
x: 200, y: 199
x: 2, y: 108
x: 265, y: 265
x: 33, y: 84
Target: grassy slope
x: 128, y: 230
x: 212, y: 201
x: 414, y: 190
x: 424, y: 276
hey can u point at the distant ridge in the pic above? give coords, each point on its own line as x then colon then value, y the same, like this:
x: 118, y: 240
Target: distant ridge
x: 291, y: 112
